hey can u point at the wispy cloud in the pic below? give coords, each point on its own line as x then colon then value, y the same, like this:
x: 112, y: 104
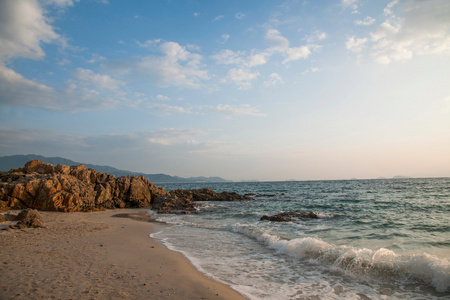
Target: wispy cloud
x: 168, y: 108
x: 218, y: 18
x: 223, y: 38
x: 97, y: 81
x: 278, y: 45
x: 365, y: 22
x: 238, y: 110
x: 273, y: 80
x: 351, y: 4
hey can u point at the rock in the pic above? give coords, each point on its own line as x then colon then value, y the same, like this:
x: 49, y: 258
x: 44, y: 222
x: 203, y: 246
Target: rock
x: 28, y: 218
x: 45, y: 187
x: 185, y: 201
x: 62, y: 188
x: 7, y: 217
x: 291, y: 216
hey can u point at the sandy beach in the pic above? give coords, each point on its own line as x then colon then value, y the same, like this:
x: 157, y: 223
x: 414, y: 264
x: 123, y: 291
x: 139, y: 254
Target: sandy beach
x: 98, y: 256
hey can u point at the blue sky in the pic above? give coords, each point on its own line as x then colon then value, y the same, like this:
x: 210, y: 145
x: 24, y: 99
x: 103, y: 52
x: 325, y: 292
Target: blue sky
x: 266, y: 90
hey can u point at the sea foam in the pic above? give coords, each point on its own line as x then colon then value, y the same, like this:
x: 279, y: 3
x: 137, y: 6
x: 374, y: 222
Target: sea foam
x: 381, y: 263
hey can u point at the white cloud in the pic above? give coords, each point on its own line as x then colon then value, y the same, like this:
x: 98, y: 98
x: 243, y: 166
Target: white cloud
x: 355, y: 45
x: 96, y: 58
x: 388, y: 9
x: 173, y: 136
x: 274, y: 80
x: 311, y: 70
x: 223, y: 38
x: 220, y: 17
x: 175, y: 67
x: 168, y: 108
x: 280, y: 44
x: 162, y: 98
x: 241, y: 58
x: 98, y: 81
x: 23, y: 27
x: 150, y: 44
x: 239, y: 110
x: 424, y: 29
x: 296, y: 53
x: 365, y: 22
x: 316, y: 36
x: 352, y: 4
x: 276, y: 40
x: 196, y: 14
x: 242, y: 77
x: 257, y: 58
x: 64, y: 62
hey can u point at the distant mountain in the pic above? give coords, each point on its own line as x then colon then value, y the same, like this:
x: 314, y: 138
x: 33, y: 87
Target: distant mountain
x: 17, y: 161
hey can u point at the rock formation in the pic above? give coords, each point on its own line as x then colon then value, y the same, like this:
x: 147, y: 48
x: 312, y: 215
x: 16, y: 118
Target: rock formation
x: 47, y: 187
x: 185, y: 201
x: 62, y: 188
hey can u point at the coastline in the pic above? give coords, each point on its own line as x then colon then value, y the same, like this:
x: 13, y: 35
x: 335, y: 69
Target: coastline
x: 97, y: 256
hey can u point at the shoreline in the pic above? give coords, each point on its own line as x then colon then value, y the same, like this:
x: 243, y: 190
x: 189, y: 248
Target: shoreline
x: 97, y: 256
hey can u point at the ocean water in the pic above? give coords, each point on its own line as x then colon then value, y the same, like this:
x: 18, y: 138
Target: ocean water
x: 375, y: 239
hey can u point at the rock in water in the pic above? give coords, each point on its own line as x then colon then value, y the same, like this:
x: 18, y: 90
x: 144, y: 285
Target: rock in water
x: 291, y: 216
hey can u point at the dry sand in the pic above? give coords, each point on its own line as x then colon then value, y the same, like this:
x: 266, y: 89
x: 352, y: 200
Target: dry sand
x: 97, y: 256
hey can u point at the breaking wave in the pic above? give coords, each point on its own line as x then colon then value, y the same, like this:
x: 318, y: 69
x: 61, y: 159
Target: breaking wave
x: 381, y: 263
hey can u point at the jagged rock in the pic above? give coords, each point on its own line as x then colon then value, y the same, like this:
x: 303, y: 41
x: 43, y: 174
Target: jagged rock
x: 62, y: 188
x: 291, y: 216
x: 45, y: 187
x: 28, y: 218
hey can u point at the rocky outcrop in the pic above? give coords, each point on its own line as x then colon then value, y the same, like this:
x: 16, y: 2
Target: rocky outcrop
x: 291, y: 216
x: 185, y: 201
x: 47, y: 187
x: 62, y: 188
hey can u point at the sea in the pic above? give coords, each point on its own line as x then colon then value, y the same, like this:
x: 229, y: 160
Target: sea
x: 374, y: 239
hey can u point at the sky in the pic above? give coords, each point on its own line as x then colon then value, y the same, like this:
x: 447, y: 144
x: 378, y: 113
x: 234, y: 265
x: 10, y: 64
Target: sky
x: 244, y: 90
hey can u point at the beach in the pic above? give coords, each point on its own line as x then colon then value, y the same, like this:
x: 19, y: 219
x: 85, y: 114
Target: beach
x: 98, y: 256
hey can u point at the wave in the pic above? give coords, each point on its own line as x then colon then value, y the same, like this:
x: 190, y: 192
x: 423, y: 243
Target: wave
x: 381, y: 263
x: 384, y: 264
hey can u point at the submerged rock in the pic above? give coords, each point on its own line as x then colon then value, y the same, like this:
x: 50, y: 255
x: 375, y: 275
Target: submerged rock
x: 291, y: 216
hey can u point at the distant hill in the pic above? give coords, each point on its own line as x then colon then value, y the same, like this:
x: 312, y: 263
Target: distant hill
x: 17, y: 161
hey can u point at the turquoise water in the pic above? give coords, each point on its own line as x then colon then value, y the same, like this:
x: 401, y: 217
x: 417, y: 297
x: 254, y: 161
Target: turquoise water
x: 381, y: 239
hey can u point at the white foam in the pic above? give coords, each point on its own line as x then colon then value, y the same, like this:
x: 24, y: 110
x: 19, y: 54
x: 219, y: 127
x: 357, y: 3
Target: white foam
x: 380, y: 263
